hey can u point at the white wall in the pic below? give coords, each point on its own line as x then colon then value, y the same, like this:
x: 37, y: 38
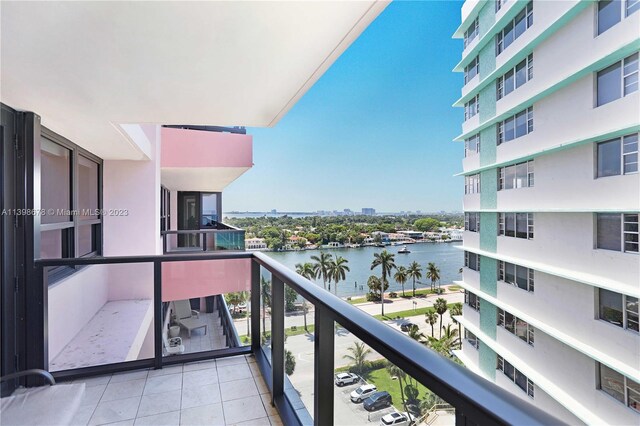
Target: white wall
x: 135, y: 187
x: 567, y: 240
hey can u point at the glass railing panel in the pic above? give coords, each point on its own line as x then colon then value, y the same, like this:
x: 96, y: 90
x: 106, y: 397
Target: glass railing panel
x: 265, y: 311
x: 228, y: 240
x: 370, y: 389
x: 205, y: 305
x: 299, y: 352
x: 100, y: 315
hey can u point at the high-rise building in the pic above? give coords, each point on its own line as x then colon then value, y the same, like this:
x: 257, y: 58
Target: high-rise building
x: 367, y: 211
x: 552, y: 272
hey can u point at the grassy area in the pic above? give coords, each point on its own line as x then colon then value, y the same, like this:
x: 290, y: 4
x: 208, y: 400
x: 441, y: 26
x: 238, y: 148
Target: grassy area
x: 455, y: 288
x: 383, y: 381
x: 409, y: 313
x: 408, y: 294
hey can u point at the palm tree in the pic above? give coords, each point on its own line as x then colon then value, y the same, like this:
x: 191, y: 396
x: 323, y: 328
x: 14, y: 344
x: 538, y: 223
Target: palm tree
x: 401, y: 277
x: 375, y: 285
x: 308, y: 271
x: 338, y: 271
x: 265, y: 290
x: 358, y: 356
x: 395, y: 371
x: 441, y: 307
x: 452, y: 335
x: 322, y: 266
x: 433, y: 273
x: 415, y: 334
x: 415, y: 273
x: 431, y: 318
x: 386, y: 262
x: 456, y: 309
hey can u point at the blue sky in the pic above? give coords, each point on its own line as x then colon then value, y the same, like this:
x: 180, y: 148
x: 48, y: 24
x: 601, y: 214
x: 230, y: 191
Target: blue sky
x: 375, y: 131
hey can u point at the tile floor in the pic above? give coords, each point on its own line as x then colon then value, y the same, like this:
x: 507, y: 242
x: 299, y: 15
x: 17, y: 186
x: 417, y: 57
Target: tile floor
x: 227, y: 391
x: 198, y: 342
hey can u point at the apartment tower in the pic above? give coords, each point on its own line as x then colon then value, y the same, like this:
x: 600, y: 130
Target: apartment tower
x: 552, y: 196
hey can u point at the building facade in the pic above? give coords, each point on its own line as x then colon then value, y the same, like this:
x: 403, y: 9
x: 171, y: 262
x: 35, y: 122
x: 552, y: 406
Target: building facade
x: 551, y: 199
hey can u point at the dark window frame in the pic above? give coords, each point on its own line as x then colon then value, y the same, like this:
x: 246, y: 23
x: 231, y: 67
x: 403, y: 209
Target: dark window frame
x: 71, y: 235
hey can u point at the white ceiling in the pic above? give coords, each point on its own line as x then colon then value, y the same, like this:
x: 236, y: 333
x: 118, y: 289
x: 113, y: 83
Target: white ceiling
x: 203, y: 179
x: 87, y: 67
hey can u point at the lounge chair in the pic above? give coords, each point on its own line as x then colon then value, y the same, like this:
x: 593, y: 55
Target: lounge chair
x: 52, y: 405
x: 187, y: 317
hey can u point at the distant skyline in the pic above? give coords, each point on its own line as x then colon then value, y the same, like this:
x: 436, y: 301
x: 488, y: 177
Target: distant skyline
x: 375, y: 131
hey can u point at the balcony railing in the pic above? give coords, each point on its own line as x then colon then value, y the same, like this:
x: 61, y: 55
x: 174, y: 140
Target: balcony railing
x: 476, y: 400
x: 224, y: 237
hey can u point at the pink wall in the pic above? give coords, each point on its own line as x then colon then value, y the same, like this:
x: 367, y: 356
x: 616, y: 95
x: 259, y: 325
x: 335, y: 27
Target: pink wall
x: 194, y: 148
x: 200, y: 278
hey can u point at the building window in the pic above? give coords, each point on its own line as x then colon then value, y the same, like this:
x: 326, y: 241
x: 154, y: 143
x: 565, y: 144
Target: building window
x: 516, y: 126
x: 472, y: 260
x: 515, y: 28
x: 472, y: 107
x: 619, y: 386
x: 499, y: 4
x: 471, y: 33
x: 618, y: 309
x: 472, y: 300
x: 72, y: 225
x: 471, y: 338
x: 472, y: 184
x: 515, y: 77
x: 516, y: 326
x: 472, y: 145
x: 519, y: 225
x: 619, y: 232
x: 516, y: 376
x: 618, y: 156
x: 516, y: 176
x: 516, y: 275
x: 165, y: 209
x: 617, y: 80
x: 472, y: 222
x: 610, y: 12
x: 471, y: 70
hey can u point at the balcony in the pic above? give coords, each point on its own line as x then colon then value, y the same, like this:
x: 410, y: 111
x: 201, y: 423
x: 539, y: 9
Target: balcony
x: 249, y: 378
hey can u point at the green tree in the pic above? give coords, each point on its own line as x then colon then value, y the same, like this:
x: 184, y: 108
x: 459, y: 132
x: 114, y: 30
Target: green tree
x: 322, y: 264
x: 431, y: 317
x: 236, y: 298
x: 289, y: 362
x: 415, y: 334
x: 426, y: 224
x: 398, y: 373
x: 415, y: 273
x: 386, y: 261
x: 441, y: 307
x: 338, y: 271
x: 446, y: 343
x: 375, y: 286
x: 265, y: 293
x: 290, y: 297
x: 456, y: 310
x: 401, y: 277
x: 433, y: 273
x: 358, y: 356
x: 306, y: 270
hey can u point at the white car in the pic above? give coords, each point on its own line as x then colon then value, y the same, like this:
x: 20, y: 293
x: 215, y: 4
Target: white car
x: 362, y: 393
x: 346, y: 379
x: 396, y: 419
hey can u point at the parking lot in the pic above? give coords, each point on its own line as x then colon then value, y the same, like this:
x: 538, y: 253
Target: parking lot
x: 348, y: 413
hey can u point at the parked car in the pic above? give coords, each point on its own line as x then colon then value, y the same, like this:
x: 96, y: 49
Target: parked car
x: 397, y: 419
x: 362, y: 393
x: 406, y: 326
x: 346, y: 379
x: 377, y: 401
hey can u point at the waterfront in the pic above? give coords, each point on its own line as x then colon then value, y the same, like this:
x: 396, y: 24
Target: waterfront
x: 445, y: 255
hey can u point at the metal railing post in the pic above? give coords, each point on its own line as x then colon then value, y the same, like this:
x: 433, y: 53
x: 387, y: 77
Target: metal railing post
x: 255, y: 306
x: 277, y: 337
x: 157, y: 312
x: 204, y: 241
x: 323, y: 363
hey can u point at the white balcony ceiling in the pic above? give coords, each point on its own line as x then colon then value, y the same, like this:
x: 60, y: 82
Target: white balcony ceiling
x: 88, y: 67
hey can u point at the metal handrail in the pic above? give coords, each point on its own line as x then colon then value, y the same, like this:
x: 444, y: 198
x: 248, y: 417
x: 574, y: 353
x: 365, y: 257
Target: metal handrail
x: 474, y: 398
